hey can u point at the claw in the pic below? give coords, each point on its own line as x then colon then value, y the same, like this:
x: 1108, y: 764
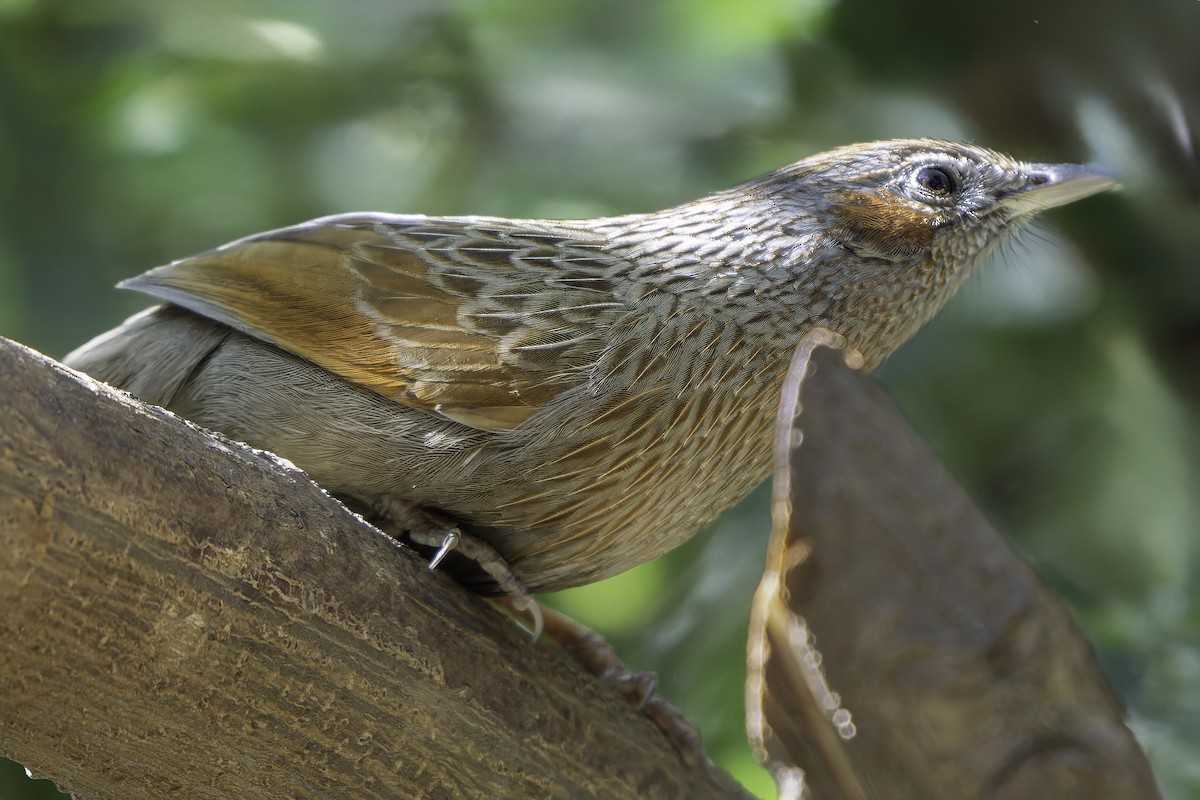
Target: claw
x: 449, y: 542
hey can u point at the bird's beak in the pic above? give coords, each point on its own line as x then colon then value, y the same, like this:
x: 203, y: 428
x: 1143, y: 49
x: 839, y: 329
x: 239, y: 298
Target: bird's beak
x: 1050, y: 185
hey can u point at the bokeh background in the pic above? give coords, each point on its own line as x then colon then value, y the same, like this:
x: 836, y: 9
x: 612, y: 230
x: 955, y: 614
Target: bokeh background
x: 1063, y: 384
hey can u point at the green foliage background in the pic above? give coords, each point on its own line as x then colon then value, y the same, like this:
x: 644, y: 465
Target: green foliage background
x: 1062, y: 385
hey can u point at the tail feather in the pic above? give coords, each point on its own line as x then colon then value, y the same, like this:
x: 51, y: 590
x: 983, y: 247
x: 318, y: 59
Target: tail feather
x: 152, y: 354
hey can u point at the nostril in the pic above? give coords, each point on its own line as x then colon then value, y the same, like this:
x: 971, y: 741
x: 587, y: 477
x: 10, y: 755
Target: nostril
x: 1038, y: 179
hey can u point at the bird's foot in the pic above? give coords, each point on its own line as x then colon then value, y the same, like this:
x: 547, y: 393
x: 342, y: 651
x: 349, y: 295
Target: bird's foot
x: 487, y: 559
x: 427, y: 528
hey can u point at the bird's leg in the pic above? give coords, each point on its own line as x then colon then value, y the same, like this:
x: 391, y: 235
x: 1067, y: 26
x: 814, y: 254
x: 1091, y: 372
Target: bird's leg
x: 427, y: 528
x: 599, y: 659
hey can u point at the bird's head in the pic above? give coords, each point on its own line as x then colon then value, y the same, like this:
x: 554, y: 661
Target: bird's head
x: 921, y: 197
x: 878, y: 236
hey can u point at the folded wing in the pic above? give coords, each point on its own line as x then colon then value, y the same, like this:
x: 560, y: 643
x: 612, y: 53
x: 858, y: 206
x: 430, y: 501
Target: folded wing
x: 478, y: 320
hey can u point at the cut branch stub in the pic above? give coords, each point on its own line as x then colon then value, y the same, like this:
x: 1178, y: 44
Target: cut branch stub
x: 899, y: 648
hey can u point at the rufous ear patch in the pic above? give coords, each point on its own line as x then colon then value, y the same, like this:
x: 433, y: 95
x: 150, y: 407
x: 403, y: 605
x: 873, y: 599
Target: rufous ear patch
x: 881, y: 223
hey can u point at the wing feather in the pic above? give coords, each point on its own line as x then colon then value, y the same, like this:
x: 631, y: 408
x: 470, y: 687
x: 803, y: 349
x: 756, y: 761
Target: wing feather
x: 474, y: 319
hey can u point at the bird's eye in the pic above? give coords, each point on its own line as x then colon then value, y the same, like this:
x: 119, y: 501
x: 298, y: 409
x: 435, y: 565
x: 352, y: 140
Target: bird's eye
x: 937, y: 181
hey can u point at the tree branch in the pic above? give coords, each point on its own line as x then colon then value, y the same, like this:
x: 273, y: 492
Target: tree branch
x: 185, y: 615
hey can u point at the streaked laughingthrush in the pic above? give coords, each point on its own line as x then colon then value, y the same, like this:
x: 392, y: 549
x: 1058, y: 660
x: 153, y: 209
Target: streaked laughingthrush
x: 580, y: 395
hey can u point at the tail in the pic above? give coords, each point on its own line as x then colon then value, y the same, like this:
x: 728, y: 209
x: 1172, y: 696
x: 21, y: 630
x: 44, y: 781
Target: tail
x: 151, y: 354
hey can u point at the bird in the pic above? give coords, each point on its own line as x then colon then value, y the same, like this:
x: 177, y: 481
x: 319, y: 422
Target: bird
x: 552, y: 402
